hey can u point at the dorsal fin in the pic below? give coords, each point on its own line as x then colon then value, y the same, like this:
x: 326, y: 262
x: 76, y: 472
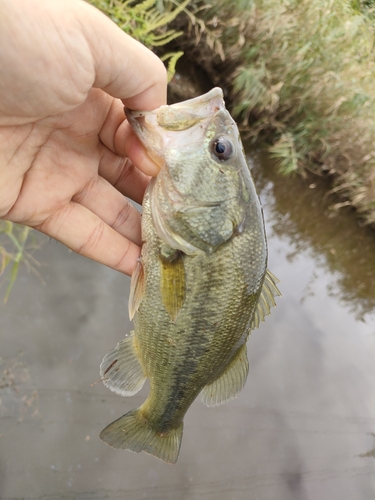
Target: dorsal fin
x: 266, y: 299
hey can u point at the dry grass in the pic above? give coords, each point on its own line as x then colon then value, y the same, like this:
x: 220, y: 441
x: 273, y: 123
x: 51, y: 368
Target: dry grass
x: 300, y: 75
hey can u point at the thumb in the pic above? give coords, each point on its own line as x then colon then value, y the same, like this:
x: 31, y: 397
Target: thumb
x: 125, y: 68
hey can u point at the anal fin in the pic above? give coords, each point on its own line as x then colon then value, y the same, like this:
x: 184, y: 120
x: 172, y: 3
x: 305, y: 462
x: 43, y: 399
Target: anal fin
x: 121, y: 369
x: 229, y: 384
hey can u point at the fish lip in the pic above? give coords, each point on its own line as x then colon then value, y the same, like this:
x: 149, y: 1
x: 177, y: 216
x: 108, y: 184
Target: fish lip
x: 214, y: 99
x: 144, y: 134
x: 153, y: 127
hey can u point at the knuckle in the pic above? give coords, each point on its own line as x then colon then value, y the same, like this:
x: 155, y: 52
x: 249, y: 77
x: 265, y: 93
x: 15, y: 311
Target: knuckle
x: 92, y: 241
x: 126, y: 170
x: 122, y: 216
x: 87, y: 190
x: 123, y: 263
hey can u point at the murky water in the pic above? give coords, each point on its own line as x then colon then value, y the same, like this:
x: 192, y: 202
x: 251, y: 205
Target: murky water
x: 303, y: 427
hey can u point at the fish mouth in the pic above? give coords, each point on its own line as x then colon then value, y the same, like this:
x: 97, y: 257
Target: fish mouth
x: 157, y: 129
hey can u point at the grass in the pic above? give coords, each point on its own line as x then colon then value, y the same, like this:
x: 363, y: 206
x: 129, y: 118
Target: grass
x: 17, y: 245
x: 147, y: 22
x: 300, y: 75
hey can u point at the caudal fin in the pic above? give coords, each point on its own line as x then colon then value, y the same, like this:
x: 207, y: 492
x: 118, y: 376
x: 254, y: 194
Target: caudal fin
x: 133, y: 432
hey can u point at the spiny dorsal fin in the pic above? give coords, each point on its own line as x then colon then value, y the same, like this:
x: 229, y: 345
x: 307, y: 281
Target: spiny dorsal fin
x: 229, y: 384
x: 137, y: 286
x: 266, y: 299
x: 121, y: 369
x: 172, y: 284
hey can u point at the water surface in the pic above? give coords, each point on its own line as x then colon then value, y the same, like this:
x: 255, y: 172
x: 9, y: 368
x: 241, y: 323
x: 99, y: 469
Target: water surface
x: 303, y: 427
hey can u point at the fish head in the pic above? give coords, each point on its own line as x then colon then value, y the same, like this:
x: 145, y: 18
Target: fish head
x: 204, y: 176
x: 200, y: 129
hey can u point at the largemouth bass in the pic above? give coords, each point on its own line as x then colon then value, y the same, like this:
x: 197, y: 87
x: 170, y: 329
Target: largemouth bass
x: 201, y: 284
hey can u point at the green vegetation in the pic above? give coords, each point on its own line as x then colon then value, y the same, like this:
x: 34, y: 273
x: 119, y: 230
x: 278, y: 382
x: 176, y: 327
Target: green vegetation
x: 366, y: 7
x: 15, y: 248
x: 300, y: 75
x: 147, y: 22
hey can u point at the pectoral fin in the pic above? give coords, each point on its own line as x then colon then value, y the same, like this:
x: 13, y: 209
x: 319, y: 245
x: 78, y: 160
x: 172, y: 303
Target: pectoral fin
x: 136, y: 289
x: 266, y: 299
x: 172, y: 283
x: 121, y: 369
x: 229, y: 384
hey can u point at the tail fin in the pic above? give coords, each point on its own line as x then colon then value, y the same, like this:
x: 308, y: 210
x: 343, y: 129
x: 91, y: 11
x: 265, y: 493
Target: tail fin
x: 133, y: 432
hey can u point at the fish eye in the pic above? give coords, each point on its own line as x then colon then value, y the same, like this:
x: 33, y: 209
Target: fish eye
x: 222, y: 148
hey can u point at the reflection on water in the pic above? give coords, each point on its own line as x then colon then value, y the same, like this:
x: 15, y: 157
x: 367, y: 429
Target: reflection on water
x: 370, y: 453
x: 18, y: 396
x: 335, y: 240
x: 303, y: 427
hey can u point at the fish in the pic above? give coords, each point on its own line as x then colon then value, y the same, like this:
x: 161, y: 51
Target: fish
x: 201, y: 284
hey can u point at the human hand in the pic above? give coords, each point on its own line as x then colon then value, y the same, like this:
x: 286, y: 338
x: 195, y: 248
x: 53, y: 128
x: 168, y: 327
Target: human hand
x: 67, y: 153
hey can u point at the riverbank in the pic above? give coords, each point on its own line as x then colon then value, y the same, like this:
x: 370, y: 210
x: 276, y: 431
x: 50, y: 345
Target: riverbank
x: 299, y: 76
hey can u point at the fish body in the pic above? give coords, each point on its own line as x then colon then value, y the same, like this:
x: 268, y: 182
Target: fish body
x: 201, y: 284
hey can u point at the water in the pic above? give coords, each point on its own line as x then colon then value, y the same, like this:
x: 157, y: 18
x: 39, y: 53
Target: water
x: 303, y: 428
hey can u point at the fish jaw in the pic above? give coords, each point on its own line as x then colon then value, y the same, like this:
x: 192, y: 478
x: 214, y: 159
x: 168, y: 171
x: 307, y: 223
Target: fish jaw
x: 166, y: 127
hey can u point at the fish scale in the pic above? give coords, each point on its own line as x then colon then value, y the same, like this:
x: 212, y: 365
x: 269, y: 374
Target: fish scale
x: 201, y: 283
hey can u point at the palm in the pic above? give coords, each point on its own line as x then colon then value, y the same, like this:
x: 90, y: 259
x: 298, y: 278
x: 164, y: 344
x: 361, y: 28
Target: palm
x: 63, y: 174
x: 64, y: 154
x: 65, y: 74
